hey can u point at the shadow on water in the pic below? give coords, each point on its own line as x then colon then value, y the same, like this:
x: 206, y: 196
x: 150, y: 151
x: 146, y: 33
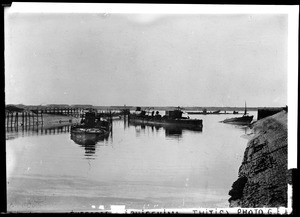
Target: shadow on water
x: 88, y: 142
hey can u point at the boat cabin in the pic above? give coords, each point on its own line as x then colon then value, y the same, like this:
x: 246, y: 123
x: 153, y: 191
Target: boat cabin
x: 90, y: 119
x: 174, y: 114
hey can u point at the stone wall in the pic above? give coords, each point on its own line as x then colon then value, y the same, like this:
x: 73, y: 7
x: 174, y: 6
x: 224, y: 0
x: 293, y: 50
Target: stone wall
x: 262, y: 179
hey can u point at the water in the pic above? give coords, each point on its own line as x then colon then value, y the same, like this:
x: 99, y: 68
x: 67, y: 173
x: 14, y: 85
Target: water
x: 136, y: 166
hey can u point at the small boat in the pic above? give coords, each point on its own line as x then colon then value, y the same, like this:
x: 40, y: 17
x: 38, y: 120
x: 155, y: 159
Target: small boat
x: 215, y: 112
x: 195, y: 113
x: 92, y: 124
x: 244, y: 120
x: 235, y: 112
x: 172, y: 118
x: 204, y: 112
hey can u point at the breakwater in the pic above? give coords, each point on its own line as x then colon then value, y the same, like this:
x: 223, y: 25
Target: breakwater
x: 263, y: 176
x: 265, y: 112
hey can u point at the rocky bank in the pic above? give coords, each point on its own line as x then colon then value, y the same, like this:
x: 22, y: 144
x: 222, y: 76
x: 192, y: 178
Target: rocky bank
x: 263, y: 175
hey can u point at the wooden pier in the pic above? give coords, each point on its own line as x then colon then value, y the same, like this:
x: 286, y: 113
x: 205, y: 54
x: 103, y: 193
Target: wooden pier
x: 24, y: 118
x: 34, y: 116
x: 39, y: 130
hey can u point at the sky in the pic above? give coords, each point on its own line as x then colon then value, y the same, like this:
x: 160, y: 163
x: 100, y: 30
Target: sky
x: 146, y: 59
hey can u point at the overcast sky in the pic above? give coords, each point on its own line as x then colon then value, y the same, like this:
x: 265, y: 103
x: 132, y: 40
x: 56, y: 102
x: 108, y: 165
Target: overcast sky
x: 146, y: 59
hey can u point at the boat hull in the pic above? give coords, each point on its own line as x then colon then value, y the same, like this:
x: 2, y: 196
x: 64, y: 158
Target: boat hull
x: 244, y: 120
x: 89, y: 130
x: 182, y: 123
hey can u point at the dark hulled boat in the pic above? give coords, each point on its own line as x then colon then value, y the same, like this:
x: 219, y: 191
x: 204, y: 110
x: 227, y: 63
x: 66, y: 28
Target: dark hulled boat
x: 172, y: 118
x: 216, y: 112
x: 205, y: 112
x: 92, y: 124
x: 196, y: 113
x: 244, y: 120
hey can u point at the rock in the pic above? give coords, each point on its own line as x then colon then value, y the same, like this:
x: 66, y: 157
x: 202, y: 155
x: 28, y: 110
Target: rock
x: 263, y: 175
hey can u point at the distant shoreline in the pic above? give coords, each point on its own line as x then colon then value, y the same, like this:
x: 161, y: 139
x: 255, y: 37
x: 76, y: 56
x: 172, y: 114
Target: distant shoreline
x: 186, y: 108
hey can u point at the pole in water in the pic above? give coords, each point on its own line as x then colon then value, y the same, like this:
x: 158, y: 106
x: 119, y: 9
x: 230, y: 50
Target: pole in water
x: 11, y: 120
x: 23, y: 118
x: 42, y: 117
x: 7, y: 119
x: 37, y: 117
x: 17, y: 119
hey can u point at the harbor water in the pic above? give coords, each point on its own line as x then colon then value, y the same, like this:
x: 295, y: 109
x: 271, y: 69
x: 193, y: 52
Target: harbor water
x: 141, y: 167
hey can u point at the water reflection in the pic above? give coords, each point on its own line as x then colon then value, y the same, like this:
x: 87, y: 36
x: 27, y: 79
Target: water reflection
x: 15, y: 132
x: 173, y: 132
x: 244, y: 128
x: 88, y: 142
x: 163, y: 167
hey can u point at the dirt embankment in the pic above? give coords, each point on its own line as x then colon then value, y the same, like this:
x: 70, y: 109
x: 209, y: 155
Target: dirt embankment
x: 263, y: 175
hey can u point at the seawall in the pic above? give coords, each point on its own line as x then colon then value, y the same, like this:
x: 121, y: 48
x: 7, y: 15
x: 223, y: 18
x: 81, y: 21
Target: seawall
x: 263, y: 175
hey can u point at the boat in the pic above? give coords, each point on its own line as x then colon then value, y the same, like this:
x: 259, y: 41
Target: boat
x: 204, y: 112
x: 216, y: 112
x: 244, y: 120
x: 195, y: 113
x: 92, y: 123
x: 172, y: 118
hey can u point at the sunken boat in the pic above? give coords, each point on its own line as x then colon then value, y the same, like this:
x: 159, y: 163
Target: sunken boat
x: 92, y: 123
x: 172, y: 118
x: 244, y: 120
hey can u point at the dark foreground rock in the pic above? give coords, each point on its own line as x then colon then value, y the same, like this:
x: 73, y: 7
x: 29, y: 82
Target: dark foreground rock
x: 263, y: 175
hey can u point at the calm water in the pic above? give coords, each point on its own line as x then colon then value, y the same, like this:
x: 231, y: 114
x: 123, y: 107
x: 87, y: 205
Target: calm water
x: 137, y: 166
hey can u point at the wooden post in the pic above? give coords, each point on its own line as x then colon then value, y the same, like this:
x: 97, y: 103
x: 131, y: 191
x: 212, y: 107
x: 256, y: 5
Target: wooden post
x: 33, y: 125
x: 11, y: 119
x: 23, y: 118
x: 42, y: 118
x: 17, y: 120
x: 32, y: 118
x: 37, y: 117
x: 26, y: 121
x: 7, y: 119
